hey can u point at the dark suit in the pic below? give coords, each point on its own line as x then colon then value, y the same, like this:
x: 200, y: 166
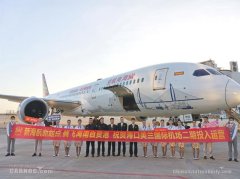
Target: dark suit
x: 101, y: 127
x: 122, y: 127
x: 131, y: 128
x: 90, y: 127
x: 111, y: 144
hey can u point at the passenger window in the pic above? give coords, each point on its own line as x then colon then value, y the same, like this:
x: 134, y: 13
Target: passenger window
x: 142, y: 80
x: 200, y: 72
x: 127, y: 83
x: 133, y: 81
x: 130, y: 82
x: 138, y: 80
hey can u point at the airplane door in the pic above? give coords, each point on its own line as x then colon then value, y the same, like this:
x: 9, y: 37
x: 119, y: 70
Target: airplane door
x: 159, y: 81
x: 94, y: 91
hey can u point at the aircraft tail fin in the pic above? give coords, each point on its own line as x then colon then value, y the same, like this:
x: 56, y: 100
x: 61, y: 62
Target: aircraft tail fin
x: 45, y: 87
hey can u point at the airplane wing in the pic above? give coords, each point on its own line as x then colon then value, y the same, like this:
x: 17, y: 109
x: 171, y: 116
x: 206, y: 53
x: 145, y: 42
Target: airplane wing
x: 17, y: 99
x: 63, y: 104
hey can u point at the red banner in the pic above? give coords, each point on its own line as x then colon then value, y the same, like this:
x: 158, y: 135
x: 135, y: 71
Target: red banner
x: 31, y: 119
x: 216, y: 134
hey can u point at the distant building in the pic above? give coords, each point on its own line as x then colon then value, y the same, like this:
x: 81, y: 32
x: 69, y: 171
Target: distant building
x: 234, y: 66
x: 210, y: 63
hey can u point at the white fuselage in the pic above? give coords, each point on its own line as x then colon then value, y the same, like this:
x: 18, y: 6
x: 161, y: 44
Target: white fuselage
x: 161, y: 90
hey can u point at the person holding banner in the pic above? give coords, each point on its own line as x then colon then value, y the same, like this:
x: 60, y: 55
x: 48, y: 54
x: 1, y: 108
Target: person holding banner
x: 133, y: 127
x: 37, y: 141
x: 67, y: 144
x: 144, y: 144
x: 56, y: 143
x: 195, y: 145
x: 111, y: 144
x: 180, y: 144
x: 154, y: 144
x: 207, y: 147
x: 78, y: 144
x: 101, y: 126
x: 233, y: 129
x: 90, y: 126
x: 172, y: 144
x: 10, y: 141
x: 122, y: 126
x: 163, y: 144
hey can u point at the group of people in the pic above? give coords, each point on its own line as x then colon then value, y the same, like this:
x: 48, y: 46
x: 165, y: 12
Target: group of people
x: 133, y: 149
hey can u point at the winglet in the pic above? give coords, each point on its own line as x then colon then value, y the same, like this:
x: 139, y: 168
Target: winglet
x: 45, y: 87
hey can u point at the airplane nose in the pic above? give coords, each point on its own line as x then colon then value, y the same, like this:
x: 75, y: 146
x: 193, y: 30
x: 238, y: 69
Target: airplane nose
x: 232, y: 93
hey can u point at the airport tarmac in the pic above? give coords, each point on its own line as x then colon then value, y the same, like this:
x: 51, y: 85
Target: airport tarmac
x: 23, y: 165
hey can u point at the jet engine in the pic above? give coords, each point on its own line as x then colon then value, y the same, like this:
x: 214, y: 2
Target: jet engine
x: 32, y: 107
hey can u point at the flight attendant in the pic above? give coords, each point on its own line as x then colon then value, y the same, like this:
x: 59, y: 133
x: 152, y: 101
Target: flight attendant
x: 195, y: 145
x: 78, y: 144
x: 133, y: 127
x: 172, y: 144
x: 180, y: 144
x: 144, y: 127
x: 56, y: 143
x: 154, y: 144
x: 37, y: 141
x: 163, y: 144
x: 67, y: 144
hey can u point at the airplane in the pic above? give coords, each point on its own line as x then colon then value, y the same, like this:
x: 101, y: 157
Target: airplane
x: 169, y: 89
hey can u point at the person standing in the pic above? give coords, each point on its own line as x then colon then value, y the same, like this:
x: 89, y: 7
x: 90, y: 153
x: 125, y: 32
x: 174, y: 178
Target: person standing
x: 90, y: 126
x: 122, y: 126
x: 10, y: 141
x: 56, y: 143
x: 195, y: 145
x: 144, y: 144
x: 200, y: 123
x: 180, y: 144
x: 172, y: 144
x: 133, y: 127
x: 78, y: 144
x: 233, y: 128
x: 67, y: 144
x: 154, y: 144
x: 101, y: 126
x: 163, y: 144
x: 37, y: 141
x: 111, y: 144
x: 207, y: 147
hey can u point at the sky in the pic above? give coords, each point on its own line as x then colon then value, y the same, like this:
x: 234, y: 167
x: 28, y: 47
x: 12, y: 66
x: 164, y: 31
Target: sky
x: 76, y: 41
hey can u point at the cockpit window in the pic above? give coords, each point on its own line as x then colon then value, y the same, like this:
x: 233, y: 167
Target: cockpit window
x: 214, y: 72
x: 200, y: 72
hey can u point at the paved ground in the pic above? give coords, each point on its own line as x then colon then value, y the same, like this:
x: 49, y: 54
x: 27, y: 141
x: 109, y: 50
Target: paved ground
x: 23, y: 165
